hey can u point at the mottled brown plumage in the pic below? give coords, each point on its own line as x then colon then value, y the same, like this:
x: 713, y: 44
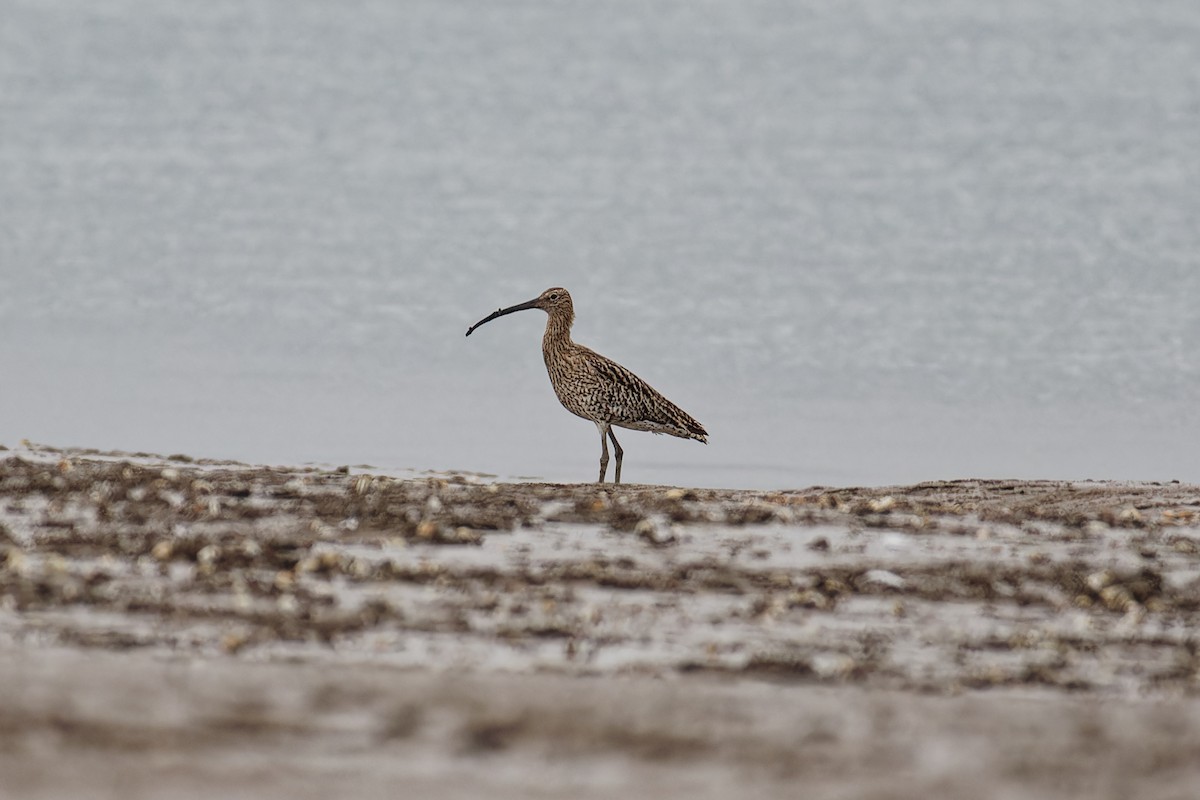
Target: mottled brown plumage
x: 598, y: 388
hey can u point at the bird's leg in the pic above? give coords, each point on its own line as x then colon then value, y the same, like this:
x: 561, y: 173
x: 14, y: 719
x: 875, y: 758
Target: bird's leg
x: 619, y: 452
x: 603, y: 451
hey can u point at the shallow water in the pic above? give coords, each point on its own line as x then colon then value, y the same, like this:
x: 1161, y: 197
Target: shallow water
x: 862, y: 244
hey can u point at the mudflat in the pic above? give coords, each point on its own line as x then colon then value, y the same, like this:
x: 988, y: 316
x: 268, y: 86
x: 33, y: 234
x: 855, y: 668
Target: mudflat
x: 178, y: 628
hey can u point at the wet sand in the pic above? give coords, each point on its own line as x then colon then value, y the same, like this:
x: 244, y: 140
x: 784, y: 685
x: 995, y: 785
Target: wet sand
x: 176, y: 628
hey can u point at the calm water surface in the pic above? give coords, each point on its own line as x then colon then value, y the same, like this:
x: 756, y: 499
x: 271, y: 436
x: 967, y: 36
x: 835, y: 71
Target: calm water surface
x: 862, y: 242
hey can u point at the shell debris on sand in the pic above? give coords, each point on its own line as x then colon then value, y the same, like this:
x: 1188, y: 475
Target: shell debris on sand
x: 337, y: 579
x: 328, y: 557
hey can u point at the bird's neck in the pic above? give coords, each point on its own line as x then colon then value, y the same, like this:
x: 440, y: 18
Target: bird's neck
x: 558, y: 331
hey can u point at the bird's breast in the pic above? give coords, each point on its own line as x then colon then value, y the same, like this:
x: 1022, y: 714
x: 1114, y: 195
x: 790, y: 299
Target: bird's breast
x: 579, y: 386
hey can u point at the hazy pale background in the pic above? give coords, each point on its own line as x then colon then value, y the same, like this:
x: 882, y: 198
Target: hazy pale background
x: 862, y: 242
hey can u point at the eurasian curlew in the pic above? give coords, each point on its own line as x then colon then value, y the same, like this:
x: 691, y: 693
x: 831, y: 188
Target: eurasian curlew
x: 598, y: 388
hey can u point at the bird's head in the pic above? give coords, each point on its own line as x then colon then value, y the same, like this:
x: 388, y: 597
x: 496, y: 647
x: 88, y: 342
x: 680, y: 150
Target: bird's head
x: 552, y: 299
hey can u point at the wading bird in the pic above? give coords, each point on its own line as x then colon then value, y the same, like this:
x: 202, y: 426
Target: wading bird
x: 598, y: 388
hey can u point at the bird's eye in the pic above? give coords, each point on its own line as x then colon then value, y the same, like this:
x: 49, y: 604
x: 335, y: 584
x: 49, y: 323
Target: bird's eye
x: 554, y: 296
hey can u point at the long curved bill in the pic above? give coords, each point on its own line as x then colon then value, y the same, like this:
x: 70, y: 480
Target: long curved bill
x: 501, y: 312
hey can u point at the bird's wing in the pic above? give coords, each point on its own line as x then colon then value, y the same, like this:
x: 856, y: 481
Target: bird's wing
x: 636, y: 404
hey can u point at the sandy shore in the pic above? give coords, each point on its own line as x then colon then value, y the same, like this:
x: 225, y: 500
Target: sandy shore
x: 172, y: 628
